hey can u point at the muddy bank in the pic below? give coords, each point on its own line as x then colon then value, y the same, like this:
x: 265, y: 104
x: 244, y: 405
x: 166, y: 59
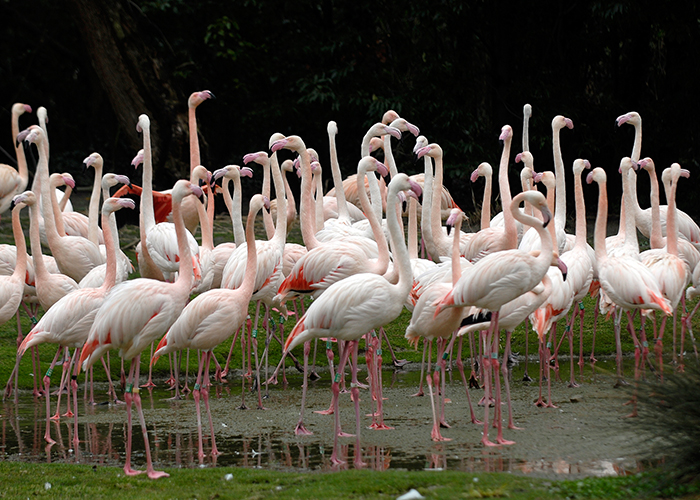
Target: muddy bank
x: 585, y: 435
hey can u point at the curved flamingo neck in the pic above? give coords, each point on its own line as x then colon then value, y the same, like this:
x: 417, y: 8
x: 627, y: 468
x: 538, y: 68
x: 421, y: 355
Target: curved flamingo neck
x: 398, y: 246
x: 544, y: 259
x: 21, y: 261
x: 456, y: 254
x: 19, y: 152
x: 280, y: 234
x: 55, y: 209
x: 656, y: 234
x: 343, y: 213
x: 511, y: 233
x: 601, y: 222
x: 148, y: 218
x: 671, y: 224
x: 318, y: 205
x: 630, y: 219
x: 306, y: 203
x: 185, y: 270
x: 111, y: 238
x: 291, y: 202
x: 46, y: 199
x: 35, y: 243
x: 374, y: 190
x: 94, y: 207
x: 426, y: 215
x: 248, y: 285
x: 267, y: 216
x: 234, y: 206
x: 382, y: 262
x: 412, y: 229
x: 580, y: 204
x: 637, y: 146
x: 560, y: 209
x: 436, y: 200
x: 194, y: 138
x: 486, y: 202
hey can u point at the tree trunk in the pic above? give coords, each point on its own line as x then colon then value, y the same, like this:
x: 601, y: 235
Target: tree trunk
x: 118, y: 39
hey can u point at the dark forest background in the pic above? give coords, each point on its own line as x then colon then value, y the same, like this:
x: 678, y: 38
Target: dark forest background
x: 459, y: 70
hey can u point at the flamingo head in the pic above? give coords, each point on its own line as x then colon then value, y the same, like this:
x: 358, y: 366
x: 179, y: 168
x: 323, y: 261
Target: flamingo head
x: 138, y: 159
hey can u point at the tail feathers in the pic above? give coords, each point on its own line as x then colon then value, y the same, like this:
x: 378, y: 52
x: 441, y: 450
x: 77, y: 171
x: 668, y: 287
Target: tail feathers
x: 447, y: 301
x: 540, y: 319
x: 295, y: 282
x: 90, y: 347
x: 473, y: 319
x: 26, y: 343
x: 157, y: 354
x: 298, y: 329
x: 662, y: 302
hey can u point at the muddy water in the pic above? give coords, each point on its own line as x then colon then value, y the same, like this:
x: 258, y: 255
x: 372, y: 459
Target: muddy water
x: 584, y: 435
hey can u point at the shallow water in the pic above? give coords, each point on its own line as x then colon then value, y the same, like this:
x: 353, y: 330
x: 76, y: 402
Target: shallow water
x: 584, y: 436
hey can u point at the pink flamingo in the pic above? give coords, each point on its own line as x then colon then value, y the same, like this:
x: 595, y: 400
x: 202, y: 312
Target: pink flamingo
x: 626, y: 281
x: 13, y: 182
x: 75, y: 256
x: 211, y: 318
x: 425, y: 324
x: 499, y: 278
x: 135, y: 313
x: 69, y: 320
x: 356, y: 305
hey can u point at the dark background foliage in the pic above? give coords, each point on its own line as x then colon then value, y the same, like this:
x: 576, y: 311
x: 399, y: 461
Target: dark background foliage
x: 457, y: 69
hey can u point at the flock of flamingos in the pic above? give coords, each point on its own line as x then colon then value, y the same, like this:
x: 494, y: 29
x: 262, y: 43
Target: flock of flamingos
x: 356, y: 263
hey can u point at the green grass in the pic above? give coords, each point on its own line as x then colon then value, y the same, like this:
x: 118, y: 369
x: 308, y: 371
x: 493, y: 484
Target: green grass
x: 75, y: 481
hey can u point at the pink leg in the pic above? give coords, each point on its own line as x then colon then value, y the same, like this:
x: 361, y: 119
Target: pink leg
x: 47, y: 381
x: 435, y: 434
x: 152, y: 474
x: 506, y: 381
x: 486, y: 362
x: 422, y: 369
x: 196, y: 394
x: 300, y: 429
x: 149, y: 383
x: 335, y: 387
x: 129, y: 399
x: 205, y: 395
x: 460, y: 365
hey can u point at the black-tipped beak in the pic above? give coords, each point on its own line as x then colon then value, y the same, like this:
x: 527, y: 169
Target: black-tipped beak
x: 12, y: 205
x: 449, y: 229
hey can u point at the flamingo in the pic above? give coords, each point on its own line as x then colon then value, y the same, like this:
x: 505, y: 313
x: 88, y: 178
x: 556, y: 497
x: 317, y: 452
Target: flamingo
x: 672, y: 273
x: 425, y: 324
x: 96, y: 276
x: 352, y: 307
x: 494, y: 239
x: 158, y: 255
x: 499, y: 278
x: 221, y: 253
x: 12, y: 286
x: 68, y: 322
x: 211, y: 318
x: 628, y: 283
x: 75, y: 256
x: 135, y: 313
x: 13, y: 182
x: 269, y: 263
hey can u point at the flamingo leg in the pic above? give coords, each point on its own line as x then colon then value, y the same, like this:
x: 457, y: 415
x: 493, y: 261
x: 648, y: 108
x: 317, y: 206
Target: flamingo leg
x: 335, y: 387
x: 152, y: 474
x: 300, y: 429
x: 422, y: 369
x: 460, y: 365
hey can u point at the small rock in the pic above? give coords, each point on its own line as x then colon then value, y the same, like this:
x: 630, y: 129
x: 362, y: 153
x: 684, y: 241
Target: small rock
x: 411, y: 495
x: 47, y: 486
x: 576, y: 398
x: 228, y: 477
